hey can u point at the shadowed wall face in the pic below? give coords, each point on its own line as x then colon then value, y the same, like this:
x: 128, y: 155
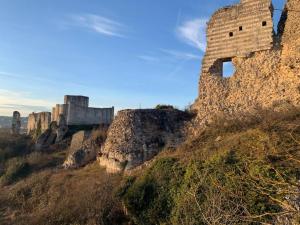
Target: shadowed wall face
x: 238, y: 30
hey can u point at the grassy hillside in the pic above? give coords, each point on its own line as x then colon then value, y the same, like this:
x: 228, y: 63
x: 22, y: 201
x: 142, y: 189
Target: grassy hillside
x: 236, y: 172
x: 35, y: 190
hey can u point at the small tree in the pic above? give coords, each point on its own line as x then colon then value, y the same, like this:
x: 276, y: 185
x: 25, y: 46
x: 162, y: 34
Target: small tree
x: 164, y: 107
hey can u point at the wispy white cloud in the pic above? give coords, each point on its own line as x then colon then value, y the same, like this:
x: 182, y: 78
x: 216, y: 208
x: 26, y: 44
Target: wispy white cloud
x: 180, y: 55
x: 167, y: 55
x: 193, y: 32
x: 148, y: 58
x: 10, y: 101
x: 99, y: 24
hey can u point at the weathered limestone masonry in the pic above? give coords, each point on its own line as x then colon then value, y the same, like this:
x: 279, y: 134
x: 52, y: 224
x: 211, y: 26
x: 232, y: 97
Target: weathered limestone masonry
x: 38, y: 121
x: 77, y: 112
x: 136, y: 136
x: 237, y: 31
x: 267, y: 67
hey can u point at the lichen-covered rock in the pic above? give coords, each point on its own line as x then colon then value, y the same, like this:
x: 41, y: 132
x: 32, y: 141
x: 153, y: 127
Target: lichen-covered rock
x: 84, y: 148
x: 136, y: 136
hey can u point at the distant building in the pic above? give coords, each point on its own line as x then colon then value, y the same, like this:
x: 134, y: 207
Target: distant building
x: 76, y: 111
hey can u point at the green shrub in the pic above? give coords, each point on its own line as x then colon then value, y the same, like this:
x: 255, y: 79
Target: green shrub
x: 149, y: 199
x: 164, y: 107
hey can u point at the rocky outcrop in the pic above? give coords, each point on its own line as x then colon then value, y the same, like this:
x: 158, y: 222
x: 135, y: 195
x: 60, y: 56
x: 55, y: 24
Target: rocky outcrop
x: 16, y: 123
x: 55, y: 134
x: 136, y: 136
x: 62, y: 128
x: 84, y: 148
x: 47, y: 138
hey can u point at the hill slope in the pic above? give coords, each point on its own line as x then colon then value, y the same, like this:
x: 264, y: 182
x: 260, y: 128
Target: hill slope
x: 235, y: 172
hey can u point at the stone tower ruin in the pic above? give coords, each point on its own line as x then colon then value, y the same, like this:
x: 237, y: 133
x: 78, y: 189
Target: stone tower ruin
x: 238, y: 30
x: 267, y: 65
x: 16, y: 123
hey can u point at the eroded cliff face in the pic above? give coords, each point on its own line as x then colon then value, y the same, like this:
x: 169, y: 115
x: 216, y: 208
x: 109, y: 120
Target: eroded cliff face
x: 262, y: 79
x: 136, y: 136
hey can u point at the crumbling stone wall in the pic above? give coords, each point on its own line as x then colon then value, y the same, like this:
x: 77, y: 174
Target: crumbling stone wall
x: 263, y: 79
x: 77, y: 112
x: 38, y: 121
x: 237, y: 31
x: 136, y: 136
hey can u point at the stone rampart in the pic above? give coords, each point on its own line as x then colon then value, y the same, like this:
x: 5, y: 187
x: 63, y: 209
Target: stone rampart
x: 81, y: 115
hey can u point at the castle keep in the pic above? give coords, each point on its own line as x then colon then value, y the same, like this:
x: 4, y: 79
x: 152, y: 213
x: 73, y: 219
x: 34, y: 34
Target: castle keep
x: 237, y: 31
x: 76, y: 111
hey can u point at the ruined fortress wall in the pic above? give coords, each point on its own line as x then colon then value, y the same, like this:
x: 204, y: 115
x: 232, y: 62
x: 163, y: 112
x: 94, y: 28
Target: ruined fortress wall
x: 263, y: 79
x: 237, y: 31
x: 78, y: 115
x: 136, y: 136
x: 35, y: 120
x: 76, y: 110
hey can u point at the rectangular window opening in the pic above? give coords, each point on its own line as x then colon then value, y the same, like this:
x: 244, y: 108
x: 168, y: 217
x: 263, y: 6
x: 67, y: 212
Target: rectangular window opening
x: 240, y: 28
x: 228, y: 68
x: 264, y: 23
x: 230, y: 34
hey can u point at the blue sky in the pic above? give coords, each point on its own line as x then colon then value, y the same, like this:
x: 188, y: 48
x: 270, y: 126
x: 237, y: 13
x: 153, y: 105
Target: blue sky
x: 127, y: 54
